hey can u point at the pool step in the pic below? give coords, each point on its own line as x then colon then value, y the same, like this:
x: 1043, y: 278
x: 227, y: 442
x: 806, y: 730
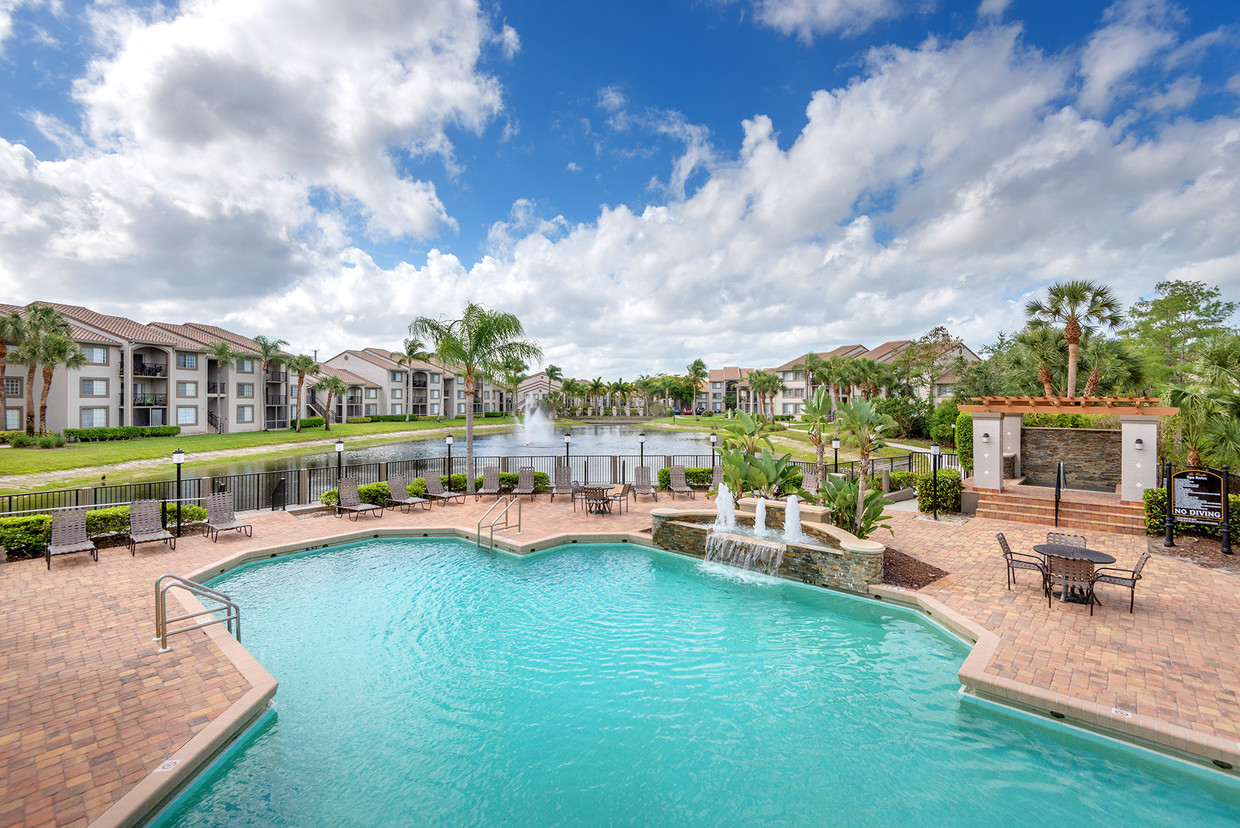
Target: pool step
x: 1095, y: 517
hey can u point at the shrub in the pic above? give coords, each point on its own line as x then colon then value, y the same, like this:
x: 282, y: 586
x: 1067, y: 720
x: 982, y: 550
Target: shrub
x: 694, y: 476
x: 964, y: 441
x: 356, y: 420
x: 87, y: 435
x: 310, y: 422
x: 948, y: 495
x: 940, y: 423
x: 1048, y: 420
x: 508, y: 482
x: 23, y: 441
x: 783, y: 418
x: 7, y: 436
x: 26, y: 536
x: 1156, y: 516
x: 910, y: 413
x: 52, y: 440
x: 903, y: 480
x: 493, y: 414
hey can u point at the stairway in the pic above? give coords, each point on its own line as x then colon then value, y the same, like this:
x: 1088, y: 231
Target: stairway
x: 1084, y: 515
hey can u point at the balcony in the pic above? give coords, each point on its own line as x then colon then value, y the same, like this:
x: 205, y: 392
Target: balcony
x: 216, y: 387
x: 144, y: 400
x: 353, y: 401
x: 149, y: 369
x: 276, y: 399
x: 276, y: 375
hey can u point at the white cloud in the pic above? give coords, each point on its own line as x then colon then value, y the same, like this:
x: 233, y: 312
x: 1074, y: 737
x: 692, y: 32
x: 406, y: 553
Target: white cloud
x: 993, y: 8
x: 573, y: 166
x: 509, y: 41
x: 1136, y: 31
x: 806, y: 18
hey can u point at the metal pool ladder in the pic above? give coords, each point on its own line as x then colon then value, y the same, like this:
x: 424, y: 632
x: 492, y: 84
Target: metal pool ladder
x: 507, y: 503
x: 232, y: 613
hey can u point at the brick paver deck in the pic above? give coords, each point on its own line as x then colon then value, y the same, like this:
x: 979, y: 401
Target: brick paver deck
x: 90, y: 709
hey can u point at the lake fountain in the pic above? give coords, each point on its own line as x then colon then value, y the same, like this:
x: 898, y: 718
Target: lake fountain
x: 538, y: 428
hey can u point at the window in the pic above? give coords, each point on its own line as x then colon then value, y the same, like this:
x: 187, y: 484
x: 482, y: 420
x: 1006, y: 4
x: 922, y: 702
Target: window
x: 12, y: 387
x: 371, y: 408
x: 716, y: 385
x: 434, y: 393
x: 12, y: 419
x: 789, y: 408
x: 398, y: 376
x: 245, y: 413
x: 460, y: 393
x: 187, y: 415
x: 434, y: 409
x: 292, y: 392
x: 460, y: 377
x: 187, y: 389
x: 188, y: 362
x: 372, y: 393
x: 397, y: 393
x: 435, y: 379
x: 245, y: 366
x: 245, y: 389
x: 799, y: 375
x: 94, y: 388
x: 94, y: 417
x: 715, y: 396
x: 460, y: 408
x: 95, y: 355
x: 486, y: 395
x: 397, y: 408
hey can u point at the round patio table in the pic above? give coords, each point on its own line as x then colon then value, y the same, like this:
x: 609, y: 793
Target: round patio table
x: 601, y: 507
x: 1072, y: 553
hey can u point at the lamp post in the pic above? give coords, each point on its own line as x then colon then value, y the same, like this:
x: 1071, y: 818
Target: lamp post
x: 178, y: 457
x: 339, y: 461
x: 713, y: 438
x: 835, y: 446
x: 641, y: 446
x: 448, y: 440
x: 934, y: 459
x: 568, y: 439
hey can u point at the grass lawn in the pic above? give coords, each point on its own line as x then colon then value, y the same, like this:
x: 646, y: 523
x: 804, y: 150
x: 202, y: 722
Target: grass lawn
x: 79, y: 455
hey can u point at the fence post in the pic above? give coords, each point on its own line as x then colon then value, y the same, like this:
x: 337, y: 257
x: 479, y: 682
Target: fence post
x: 382, y: 470
x: 615, y: 469
x: 86, y: 496
x: 303, y: 486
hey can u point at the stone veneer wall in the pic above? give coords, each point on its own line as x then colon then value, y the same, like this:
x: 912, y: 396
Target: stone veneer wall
x: 828, y: 566
x: 1091, y: 456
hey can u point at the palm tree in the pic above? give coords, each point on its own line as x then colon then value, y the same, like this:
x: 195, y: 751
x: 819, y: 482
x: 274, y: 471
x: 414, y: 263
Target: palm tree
x: 55, y: 349
x: 224, y: 356
x: 1074, y: 305
x: 868, y: 375
x: 696, y: 374
x: 870, y: 429
x: 269, y: 354
x: 554, y: 373
x: 513, y: 372
x: 811, y: 366
x: 571, y: 389
x: 817, y: 414
x: 554, y: 400
x: 1044, y: 347
x: 303, y: 365
x: 596, y: 389
x: 765, y: 386
x: 412, y: 350
x: 479, y: 342
x: 1113, y: 359
x: 40, y: 321
x: 12, y: 330
x: 334, y: 388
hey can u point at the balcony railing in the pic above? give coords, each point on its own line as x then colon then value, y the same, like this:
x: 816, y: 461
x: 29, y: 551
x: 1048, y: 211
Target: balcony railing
x: 276, y: 376
x: 216, y: 387
x: 352, y: 401
x: 276, y: 399
x: 149, y: 400
x: 149, y: 369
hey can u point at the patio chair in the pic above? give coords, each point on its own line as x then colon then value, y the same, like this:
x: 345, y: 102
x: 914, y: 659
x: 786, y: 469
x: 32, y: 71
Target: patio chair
x: 579, y: 494
x: 1065, y: 539
x: 596, y: 500
x: 1122, y: 577
x: 146, y: 525
x: 563, y: 482
x: 1017, y: 560
x: 398, y: 494
x: 490, y: 483
x: 677, y: 484
x: 220, y: 517
x: 350, y: 501
x: 621, y: 498
x: 809, y: 482
x: 69, y: 535
x: 436, y: 491
x: 643, y: 486
x: 716, y: 478
x: 1070, y: 574
x: 525, y: 483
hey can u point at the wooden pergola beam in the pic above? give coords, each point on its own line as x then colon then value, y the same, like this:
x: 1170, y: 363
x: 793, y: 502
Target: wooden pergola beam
x: 1071, y: 405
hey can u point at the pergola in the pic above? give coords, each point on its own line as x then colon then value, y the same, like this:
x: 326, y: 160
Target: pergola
x: 1001, y: 416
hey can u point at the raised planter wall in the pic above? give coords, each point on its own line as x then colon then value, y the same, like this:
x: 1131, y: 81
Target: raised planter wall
x: 1091, y: 456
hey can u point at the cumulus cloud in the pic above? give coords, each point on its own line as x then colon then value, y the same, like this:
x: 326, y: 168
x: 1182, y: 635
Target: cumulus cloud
x: 806, y: 18
x: 993, y: 8
x: 1135, y: 31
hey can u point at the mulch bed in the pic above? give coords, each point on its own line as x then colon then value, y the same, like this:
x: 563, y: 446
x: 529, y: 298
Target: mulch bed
x: 1204, y: 552
x: 905, y: 571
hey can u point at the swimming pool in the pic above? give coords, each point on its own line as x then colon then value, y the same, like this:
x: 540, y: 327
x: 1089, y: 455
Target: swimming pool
x: 424, y: 683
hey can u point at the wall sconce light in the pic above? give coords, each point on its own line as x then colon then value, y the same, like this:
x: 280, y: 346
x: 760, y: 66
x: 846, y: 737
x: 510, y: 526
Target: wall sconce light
x: 985, y: 438
x: 1139, y: 445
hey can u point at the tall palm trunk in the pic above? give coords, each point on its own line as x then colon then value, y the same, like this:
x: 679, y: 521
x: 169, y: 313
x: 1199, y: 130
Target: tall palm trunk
x: 1047, y: 379
x: 30, y: 399
x: 301, y: 403
x: 408, y: 392
x: 47, y: 387
x: 1072, y: 333
x: 471, y: 385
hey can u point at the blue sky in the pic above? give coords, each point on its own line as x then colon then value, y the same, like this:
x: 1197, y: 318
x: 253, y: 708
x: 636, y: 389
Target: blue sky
x: 643, y: 183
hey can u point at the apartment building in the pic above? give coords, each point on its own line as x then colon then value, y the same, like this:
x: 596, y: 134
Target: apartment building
x: 534, y: 388
x: 718, y: 385
x: 425, y: 388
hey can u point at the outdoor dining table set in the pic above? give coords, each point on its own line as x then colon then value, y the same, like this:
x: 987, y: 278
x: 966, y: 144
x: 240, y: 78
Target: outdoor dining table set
x: 1067, y: 561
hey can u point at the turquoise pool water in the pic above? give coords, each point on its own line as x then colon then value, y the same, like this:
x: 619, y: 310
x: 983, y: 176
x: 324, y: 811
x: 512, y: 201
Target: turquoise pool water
x: 424, y: 683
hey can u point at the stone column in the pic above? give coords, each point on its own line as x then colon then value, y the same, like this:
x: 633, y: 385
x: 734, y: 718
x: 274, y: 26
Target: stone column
x: 1138, y: 467
x: 988, y: 452
x: 1010, y: 427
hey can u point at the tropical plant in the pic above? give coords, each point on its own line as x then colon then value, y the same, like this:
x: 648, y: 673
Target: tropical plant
x: 1113, y: 360
x: 763, y: 474
x: 513, y: 372
x: 696, y: 374
x: 743, y: 433
x: 571, y: 389
x: 1045, y: 348
x: 303, y: 366
x: 765, y: 386
x: 811, y: 365
x: 412, y: 350
x: 816, y: 413
x: 53, y: 350
x: 269, y: 352
x: 840, y: 372
x: 225, y: 357
x: 334, y: 388
x: 554, y: 373
x: 1076, y: 306
x: 40, y: 321
x: 841, y: 497
x: 597, y: 389
x: 553, y: 401
x: 12, y: 330
x: 870, y: 429
x: 1171, y: 328
x: 480, y: 342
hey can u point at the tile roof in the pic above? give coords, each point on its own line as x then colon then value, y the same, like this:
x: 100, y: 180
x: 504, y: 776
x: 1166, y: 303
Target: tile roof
x: 887, y: 349
x: 348, y: 377
x: 125, y: 328
x: 79, y: 334
x: 222, y: 334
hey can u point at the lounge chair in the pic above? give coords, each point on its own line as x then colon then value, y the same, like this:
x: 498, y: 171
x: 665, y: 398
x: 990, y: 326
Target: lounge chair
x: 1122, y: 577
x: 621, y: 498
x: 677, y: 484
x: 220, y: 517
x: 69, y: 535
x: 146, y: 525
x: 563, y: 482
x: 436, y: 491
x: 490, y: 483
x: 643, y: 486
x: 525, y: 483
x: 350, y: 501
x: 398, y: 494
x: 1017, y: 560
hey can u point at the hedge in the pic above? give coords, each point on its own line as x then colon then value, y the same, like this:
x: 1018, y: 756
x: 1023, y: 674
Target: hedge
x: 1156, y: 516
x: 490, y: 414
x: 356, y: 420
x: 27, y: 535
x: 964, y: 441
x: 88, y: 435
x: 902, y: 480
x: 376, y: 493
x: 7, y: 436
x: 309, y: 422
x: 702, y: 476
x: 948, y: 496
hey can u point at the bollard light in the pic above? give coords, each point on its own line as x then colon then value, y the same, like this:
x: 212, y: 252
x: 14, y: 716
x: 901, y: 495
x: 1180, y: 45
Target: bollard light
x: 339, y: 461
x: 568, y: 439
x: 835, y: 446
x: 641, y: 445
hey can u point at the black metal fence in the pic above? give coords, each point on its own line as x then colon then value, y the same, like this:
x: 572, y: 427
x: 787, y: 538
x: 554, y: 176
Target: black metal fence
x: 278, y: 489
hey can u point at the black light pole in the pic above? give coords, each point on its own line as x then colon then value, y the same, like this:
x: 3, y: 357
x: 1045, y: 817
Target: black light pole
x: 713, y: 438
x: 835, y: 446
x: 178, y: 457
x: 568, y: 439
x: 448, y: 440
x: 1168, y: 525
x: 934, y: 458
x: 1226, y: 527
x: 641, y: 444
x: 339, y: 461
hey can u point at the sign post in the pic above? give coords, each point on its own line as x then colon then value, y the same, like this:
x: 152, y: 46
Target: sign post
x: 1200, y: 496
x: 1168, y: 523
x: 1226, y: 527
